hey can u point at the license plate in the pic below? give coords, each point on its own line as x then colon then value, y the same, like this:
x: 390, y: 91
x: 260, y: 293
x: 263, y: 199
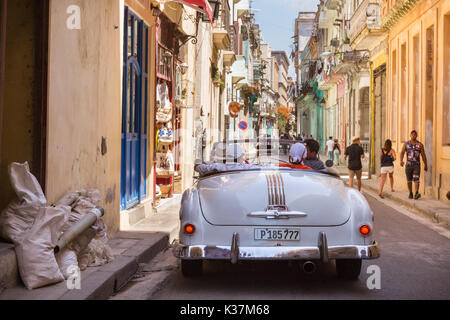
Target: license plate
x: 286, y: 234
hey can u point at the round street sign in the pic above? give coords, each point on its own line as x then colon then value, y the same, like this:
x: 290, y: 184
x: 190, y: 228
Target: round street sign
x: 243, y: 125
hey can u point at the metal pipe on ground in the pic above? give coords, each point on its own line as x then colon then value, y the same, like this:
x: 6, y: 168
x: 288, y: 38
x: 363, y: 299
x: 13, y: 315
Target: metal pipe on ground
x: 87, y: 221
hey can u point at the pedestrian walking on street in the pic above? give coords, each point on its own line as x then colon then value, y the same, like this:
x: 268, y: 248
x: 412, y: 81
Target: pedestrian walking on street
x: 413, y: 149
x: 336, y: 152
x: 354, y: 153
x: 330, y: 144
x: 387, y: 157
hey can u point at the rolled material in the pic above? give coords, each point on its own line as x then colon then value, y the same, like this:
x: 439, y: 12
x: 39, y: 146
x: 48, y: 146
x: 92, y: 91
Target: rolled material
x: 87, y: 221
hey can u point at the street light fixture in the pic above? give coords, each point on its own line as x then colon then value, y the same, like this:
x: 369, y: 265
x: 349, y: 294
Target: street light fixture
x: 183, y: 67
x: 215, y: 6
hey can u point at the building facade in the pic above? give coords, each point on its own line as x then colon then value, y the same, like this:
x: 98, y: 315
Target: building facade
x: 113, y: 95
x: 418, y: 81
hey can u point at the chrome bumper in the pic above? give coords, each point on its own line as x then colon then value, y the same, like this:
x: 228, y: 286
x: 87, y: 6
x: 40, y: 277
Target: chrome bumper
x: 234, y: 253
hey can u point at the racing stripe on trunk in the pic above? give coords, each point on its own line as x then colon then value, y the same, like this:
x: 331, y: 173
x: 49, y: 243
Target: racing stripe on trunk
x: 275, y: 189
x: 281, y: 188
x: 269, y: 194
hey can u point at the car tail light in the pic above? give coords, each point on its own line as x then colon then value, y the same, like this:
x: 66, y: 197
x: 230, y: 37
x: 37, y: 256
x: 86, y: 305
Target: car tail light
x: 364, y: 230
x: 189, y: 229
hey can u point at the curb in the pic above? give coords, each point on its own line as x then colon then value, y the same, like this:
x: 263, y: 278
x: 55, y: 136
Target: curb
x: 110, y: 278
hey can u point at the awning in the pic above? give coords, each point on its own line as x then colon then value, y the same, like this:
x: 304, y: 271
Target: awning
x: 199, y: 5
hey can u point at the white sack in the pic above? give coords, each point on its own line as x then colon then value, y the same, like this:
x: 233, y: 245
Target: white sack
x: 66, y: 260
x: 99, y: 253
x: 20, y: 214
x: 35, y: 255
x: 90, y: 247
x: 25, y: 184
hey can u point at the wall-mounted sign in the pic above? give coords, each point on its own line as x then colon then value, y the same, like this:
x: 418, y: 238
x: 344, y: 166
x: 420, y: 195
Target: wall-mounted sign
x: 234, y: 108
x: 243, y: 125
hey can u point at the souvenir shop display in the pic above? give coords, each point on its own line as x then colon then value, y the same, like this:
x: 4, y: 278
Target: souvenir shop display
x: 165, y: 164
x: 163, y: 104
x: 165, y: 136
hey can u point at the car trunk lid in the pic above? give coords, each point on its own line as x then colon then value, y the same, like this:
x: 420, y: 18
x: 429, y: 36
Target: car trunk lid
x: 273, y: 198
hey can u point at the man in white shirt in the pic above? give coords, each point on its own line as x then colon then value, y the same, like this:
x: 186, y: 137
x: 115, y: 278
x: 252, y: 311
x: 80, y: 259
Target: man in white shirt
x: 330, y: 145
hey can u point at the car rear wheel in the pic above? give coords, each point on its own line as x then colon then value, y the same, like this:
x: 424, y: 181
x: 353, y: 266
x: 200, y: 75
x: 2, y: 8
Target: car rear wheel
x: 348, y: 269
x: 191, y: 268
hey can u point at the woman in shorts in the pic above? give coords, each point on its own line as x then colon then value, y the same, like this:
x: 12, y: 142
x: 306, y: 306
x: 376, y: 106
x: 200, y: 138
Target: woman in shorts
x: 387, y: 156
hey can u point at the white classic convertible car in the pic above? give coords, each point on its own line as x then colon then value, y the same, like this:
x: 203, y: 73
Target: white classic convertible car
x: 240, y: 212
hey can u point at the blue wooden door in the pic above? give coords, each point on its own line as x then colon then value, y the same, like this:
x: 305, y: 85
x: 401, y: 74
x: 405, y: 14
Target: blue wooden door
x: 134, y: 111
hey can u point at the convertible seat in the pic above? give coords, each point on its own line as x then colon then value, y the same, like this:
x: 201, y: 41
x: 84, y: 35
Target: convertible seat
x: 294, y: 166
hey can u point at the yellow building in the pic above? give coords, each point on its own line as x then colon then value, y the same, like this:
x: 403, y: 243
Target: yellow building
x: 418, y: 85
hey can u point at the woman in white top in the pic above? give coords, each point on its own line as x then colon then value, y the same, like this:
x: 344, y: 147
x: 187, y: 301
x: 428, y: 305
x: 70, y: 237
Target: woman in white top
x: 387, y: 157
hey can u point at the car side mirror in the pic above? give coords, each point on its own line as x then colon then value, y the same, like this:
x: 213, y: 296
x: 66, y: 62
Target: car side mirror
x: 329, y: 163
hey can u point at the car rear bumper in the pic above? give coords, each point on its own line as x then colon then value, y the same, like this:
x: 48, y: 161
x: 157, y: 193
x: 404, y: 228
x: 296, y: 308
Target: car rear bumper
x: 234, y: 252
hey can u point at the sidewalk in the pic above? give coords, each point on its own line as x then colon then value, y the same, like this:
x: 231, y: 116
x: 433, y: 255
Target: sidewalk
x: 130, y: 249
x: 165, y: 218
x: 437, y: 211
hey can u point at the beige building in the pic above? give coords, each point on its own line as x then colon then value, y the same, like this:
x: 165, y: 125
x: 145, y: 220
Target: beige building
x: 78, y: 95
x: 283, y: 71
x: 418, y: 82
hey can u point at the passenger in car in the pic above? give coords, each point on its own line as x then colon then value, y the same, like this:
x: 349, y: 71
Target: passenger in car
x: 297, y: 155
x: 312, y: 157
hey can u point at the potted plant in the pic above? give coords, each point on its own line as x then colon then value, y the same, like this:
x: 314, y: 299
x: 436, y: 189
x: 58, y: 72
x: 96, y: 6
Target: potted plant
x: 217, y: 79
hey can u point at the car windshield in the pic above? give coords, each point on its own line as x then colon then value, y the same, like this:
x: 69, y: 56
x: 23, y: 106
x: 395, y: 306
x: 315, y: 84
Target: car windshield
x: 260, y: 153
x: 250, y: 151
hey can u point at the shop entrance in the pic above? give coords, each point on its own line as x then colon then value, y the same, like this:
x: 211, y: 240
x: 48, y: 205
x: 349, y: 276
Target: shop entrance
x: 23, y: 89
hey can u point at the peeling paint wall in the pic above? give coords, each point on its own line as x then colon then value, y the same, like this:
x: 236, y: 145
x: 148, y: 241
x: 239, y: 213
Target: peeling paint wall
x: 84, y: 103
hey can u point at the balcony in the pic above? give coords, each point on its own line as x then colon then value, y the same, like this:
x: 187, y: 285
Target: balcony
x: 239, y: 72
x: 228, y: 58
x: 365, y: 25
x: 351, y: 60
x: 334, y: 5
x: 221, y: 39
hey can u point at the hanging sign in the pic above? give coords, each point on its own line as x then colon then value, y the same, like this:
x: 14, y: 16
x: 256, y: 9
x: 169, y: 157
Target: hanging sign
x: 234, y: 108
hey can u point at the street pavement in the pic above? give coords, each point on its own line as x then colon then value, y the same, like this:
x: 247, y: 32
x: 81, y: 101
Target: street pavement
x: 414, y: 264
